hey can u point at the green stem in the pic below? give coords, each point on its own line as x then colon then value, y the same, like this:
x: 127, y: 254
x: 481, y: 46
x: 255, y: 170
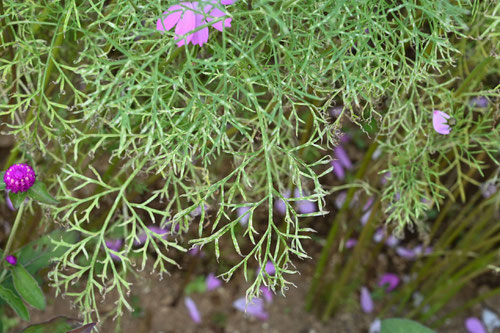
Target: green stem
x: 325, y: 253
x: 12, y: 235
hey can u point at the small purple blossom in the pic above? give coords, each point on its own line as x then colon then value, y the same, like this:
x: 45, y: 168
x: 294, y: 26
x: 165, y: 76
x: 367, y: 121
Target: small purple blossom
x: 439, y: 121
x: 114, y: 245
x: 19, y: 178
x: 390, y: 280
x: 11, y: 260
x: 267, y: 294
x: 479, y: 102
x: 192, y: 309
x: 366, y: 300
x: 212, y: 282
x: 254, y: 309
x: 244, y: 213
x: 188, y: 16
x: 474, y: 325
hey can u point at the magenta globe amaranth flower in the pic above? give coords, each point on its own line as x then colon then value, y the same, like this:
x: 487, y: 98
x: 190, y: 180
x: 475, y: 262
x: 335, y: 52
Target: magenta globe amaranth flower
x: 11, y: 260
x: 19, y: 178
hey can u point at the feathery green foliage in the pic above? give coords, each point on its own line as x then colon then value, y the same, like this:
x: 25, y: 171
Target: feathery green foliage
x: 134, y: 131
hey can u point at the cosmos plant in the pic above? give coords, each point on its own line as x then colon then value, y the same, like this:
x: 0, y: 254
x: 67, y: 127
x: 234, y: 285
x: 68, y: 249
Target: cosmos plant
x: 143, y: 118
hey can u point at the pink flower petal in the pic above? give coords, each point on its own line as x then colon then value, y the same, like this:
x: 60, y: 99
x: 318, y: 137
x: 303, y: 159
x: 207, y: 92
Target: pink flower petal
x: 439, y: 121
x: 173, y: 15
x: 186, y: 24
x: 216, y: 13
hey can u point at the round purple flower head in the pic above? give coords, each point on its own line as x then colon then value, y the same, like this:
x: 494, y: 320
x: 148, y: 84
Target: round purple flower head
x: 11, y: 260
x: 19, y: 178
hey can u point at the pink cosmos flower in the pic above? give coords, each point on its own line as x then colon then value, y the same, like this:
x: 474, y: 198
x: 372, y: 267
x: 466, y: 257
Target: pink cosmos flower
x: 190, y: 15
x: 19, y: 178
x: 439, y: 121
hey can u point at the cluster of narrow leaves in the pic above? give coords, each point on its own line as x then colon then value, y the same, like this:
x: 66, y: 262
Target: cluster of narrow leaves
x: 135, y: 131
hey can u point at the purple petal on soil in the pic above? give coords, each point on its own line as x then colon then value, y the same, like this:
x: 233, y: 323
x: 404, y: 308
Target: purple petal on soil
x: 304, y: 206
x: 114, y: 245
x: 340, y: 199
x: 350, y: 243
x: 342, y: 156
x: 479, y: 102
x: 368, y: 203
x: 403, y: 252
x: 338, y: 170
x: 366, y: 300
x: 267, y: 294
x: 392, y: 241
x: 375, y: 326
x: 280, y: 205
x: 212, y: 282
x: 192, y: 309
x: 365, y: 217
x: 269, y: 268
x: 385, y: 178
x: 244, y: 214
x: 198, y: 210
x: 390, y: 280
x: 196, y: 251
x: 255, y: 308
x: 378, y: 236
x: 474, y: 325
x: 336, y: 111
